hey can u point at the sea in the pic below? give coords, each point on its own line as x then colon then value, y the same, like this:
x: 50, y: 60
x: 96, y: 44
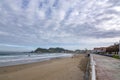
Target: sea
x: 16, y: 58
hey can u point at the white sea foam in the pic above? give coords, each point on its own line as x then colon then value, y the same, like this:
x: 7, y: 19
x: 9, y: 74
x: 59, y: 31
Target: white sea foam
x: 7, y: 60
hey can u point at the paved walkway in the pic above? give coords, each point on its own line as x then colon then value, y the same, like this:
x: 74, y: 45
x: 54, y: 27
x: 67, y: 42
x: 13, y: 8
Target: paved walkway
x: 107, y: 68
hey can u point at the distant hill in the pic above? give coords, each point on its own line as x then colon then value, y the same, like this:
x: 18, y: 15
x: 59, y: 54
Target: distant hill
x: 52, y: 50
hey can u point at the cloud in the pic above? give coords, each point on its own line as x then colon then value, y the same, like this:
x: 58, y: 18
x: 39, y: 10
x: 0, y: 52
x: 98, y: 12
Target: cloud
x: 3, y: 33
x: 46, y: 22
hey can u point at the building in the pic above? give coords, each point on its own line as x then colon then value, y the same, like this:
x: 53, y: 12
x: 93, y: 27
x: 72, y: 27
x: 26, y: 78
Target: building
x: 99, y: 50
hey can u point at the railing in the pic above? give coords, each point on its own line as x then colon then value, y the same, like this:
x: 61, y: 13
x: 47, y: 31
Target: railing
x: 93, y: 73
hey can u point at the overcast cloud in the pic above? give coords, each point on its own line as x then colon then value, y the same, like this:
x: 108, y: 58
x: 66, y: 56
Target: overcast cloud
x: 72, y: 24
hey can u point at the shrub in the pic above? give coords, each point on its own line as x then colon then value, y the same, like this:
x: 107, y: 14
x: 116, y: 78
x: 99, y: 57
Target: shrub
x: 116, y: 56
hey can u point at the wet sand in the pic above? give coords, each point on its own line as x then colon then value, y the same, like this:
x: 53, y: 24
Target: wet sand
x: 55, y: 69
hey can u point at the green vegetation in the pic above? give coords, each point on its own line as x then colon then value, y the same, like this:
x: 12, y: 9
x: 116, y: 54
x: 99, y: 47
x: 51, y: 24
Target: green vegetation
x: 114, y: 48
x: 58, y: 50
x: 116, y: 56
x: 41, y: 50
x: 52, y: 50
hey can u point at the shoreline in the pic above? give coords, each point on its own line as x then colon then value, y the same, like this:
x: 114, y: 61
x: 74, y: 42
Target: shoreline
x: 53, y: 69
x: 26, y: 59
x: 17, y: 67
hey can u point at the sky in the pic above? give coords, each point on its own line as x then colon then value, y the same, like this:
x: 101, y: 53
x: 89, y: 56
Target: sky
x: 71, y: 24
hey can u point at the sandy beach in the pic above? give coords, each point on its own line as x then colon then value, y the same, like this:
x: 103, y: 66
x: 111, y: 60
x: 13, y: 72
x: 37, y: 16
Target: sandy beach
x: 56, y: 69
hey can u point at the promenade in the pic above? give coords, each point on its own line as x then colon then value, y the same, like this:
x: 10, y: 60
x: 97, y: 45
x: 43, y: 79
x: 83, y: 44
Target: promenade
x: 107, y: 68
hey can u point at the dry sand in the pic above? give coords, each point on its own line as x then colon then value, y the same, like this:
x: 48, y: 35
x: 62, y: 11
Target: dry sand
x: 55, y: 69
